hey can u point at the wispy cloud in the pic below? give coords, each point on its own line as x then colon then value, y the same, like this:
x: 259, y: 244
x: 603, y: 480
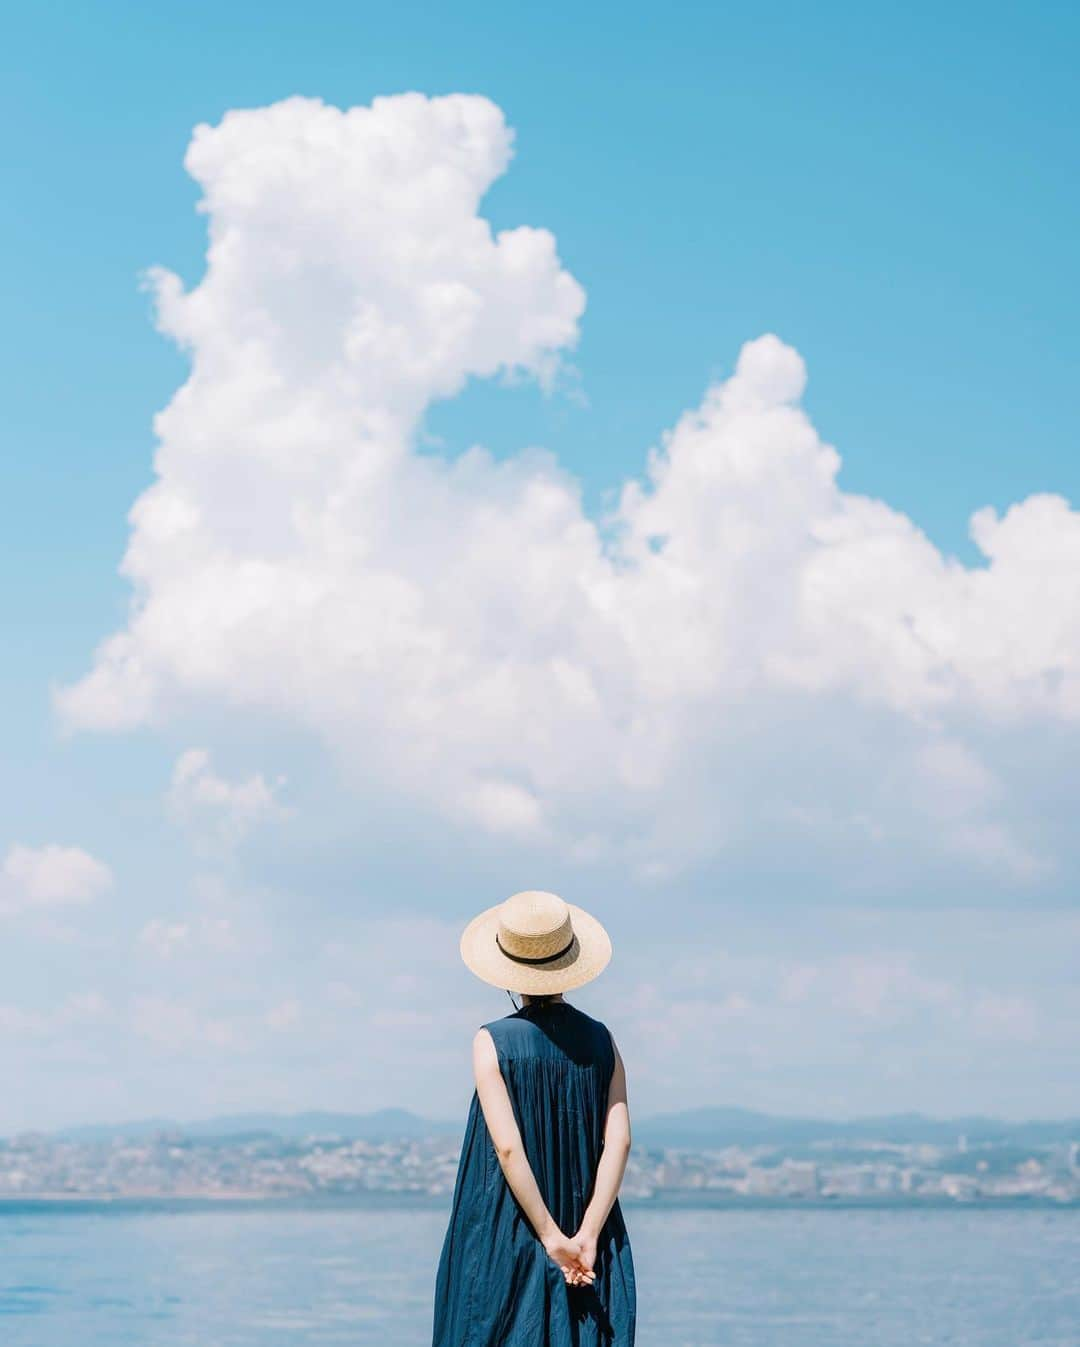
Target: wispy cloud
x: 211, y: 804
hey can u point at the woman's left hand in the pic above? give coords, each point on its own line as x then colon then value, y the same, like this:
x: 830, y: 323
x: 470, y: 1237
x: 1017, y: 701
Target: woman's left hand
x: 567, y: 1252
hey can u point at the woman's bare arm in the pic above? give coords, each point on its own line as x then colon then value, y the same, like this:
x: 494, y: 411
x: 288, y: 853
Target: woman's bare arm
x: 503, y: 1128
x: 612, y: 1166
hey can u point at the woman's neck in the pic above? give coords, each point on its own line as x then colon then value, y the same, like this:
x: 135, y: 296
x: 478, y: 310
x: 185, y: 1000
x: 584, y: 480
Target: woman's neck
x: 530, y: 1000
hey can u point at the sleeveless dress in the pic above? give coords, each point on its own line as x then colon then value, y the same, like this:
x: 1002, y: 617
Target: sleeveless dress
x: 496, y: 1285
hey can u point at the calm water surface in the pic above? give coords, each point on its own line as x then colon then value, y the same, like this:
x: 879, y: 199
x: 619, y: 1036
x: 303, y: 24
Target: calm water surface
x: 743, y: 1278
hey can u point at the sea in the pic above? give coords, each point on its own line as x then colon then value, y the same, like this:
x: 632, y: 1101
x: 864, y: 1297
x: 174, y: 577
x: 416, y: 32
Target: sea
x: 157, y: 1274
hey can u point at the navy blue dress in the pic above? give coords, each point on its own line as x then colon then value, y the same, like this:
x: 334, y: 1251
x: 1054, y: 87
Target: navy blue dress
x: 496, y: 1286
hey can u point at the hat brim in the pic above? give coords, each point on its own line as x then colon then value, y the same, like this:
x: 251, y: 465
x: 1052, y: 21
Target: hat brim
x: 585, y: 959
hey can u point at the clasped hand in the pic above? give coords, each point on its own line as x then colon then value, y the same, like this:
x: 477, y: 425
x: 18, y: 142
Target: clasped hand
x: 575, y: 1255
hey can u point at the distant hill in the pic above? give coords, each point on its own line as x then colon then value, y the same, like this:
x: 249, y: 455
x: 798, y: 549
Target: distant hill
x: 706, y: 1127
x: 383, y: 1125
x: 695, y: 1129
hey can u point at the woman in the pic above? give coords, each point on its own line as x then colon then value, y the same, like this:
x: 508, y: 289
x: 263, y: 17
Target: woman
x: 536, y: 1253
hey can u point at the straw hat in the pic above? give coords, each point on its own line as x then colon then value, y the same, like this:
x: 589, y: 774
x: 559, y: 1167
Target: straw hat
x: 535, y: 943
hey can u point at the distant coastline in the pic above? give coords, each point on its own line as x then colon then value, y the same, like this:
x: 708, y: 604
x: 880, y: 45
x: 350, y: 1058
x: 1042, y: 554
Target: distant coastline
x: 150, y: 1203
x: 704, y: 1159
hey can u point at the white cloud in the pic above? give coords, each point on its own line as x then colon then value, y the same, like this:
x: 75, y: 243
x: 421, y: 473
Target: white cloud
x: 176, y: 1024
x: 50, y: 876
x: 284, y: 1015
x: 994, y: 848
x: 884, y: 987
x: 198, y: 795
x: 741, y: 641
x: 188, y: 936
x: 504, y: 807
x: 77, y: 1011
x: 165, y: 938
x: 1010, y: 1018
x: 22, y: 1023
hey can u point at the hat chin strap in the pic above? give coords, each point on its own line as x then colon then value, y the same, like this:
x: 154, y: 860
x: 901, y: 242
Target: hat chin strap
x: 547, y: 958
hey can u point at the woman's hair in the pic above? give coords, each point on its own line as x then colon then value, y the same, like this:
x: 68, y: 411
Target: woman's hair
x: 533, y: 999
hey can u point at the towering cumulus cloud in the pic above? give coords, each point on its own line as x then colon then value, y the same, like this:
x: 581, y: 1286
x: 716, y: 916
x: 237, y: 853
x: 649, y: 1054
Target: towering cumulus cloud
x: 742, y: 648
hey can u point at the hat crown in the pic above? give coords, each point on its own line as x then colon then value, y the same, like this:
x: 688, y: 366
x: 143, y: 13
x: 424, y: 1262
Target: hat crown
x: 534, y: 924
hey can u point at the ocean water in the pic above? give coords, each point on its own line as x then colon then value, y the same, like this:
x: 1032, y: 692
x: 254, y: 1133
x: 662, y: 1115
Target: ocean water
x: 281, y: 1277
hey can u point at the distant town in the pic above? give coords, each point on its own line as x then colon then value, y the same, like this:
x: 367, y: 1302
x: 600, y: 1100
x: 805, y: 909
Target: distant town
x: 175, y: 1163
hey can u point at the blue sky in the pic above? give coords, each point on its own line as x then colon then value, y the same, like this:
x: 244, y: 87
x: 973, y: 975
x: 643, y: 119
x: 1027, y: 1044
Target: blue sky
x: 889, y: 191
